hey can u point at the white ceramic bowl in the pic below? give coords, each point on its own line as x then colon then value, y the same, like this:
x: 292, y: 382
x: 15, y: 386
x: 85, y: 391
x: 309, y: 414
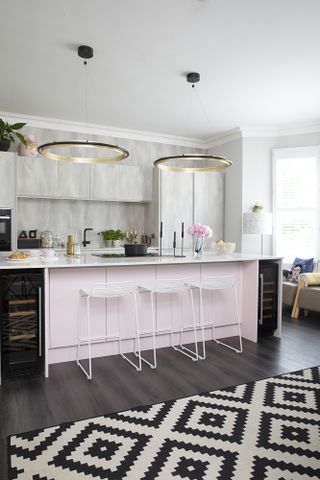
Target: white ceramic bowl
x: 229, y: 247
x: 225, y: 248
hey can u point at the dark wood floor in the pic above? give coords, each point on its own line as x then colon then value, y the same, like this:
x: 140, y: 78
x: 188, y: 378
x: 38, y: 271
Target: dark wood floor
x: 32, y: 403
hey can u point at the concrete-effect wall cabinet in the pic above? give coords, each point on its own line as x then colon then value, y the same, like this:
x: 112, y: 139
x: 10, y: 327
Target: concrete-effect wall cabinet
x: 190, y: 198
x: 40, y: 177
x: 7, y: 180
x: 37, y: 177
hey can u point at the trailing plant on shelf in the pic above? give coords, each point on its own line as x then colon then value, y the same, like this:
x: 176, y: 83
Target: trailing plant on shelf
x: 112, y: 237
x: 8, y: 133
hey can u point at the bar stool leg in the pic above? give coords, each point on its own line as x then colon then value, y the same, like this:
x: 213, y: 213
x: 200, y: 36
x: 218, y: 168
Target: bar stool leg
x: 88, y: 340
x: 237, y: 350
x: 185, y: 350
x: 154, y: 364
x: 137, y: 338
x: 204, y: 354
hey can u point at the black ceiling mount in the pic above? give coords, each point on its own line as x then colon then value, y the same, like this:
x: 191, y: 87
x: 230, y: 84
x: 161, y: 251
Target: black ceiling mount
x: 193, y: 77
x: 84, y: 51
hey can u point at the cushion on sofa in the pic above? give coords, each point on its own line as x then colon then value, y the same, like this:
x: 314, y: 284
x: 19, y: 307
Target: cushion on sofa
x: 306, y: 264
x: 311, y: 279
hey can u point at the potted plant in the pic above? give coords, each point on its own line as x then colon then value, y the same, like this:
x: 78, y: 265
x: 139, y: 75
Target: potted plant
x: 257, y: 208
x: 8, y: 133
x: 112, y: 237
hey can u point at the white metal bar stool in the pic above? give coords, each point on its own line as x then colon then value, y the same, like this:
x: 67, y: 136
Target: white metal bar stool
x: 173, y: 286
x: 105, y: 291
x: 219, y: 283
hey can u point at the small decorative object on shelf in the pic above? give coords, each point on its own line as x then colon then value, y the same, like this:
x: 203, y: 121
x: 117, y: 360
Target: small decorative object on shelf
x: 199, y: 233
x: 132, y: 235
x: 257, y: 208
x: 8, y: 133
x: 112, y: 237
x: 28, y: 149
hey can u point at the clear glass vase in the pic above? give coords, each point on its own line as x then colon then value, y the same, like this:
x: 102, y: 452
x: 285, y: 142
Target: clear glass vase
x: 198, y: 246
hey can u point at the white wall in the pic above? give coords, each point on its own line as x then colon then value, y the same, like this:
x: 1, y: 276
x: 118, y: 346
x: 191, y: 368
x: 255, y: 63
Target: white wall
x: 257, y: 177
x: 257, y: 186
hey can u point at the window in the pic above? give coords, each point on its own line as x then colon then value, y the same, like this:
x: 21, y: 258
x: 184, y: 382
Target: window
x: 296, y: 203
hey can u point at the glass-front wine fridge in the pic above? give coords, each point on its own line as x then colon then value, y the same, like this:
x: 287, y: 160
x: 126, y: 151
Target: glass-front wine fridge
x: 21, y: 327
x: 268, y: 298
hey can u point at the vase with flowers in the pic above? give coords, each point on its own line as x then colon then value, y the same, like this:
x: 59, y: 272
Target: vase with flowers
x: 199, y: 233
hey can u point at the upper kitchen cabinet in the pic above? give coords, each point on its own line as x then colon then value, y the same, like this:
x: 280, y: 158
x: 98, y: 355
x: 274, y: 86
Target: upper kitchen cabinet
x: 73, y: 180
x: 209, y: 201
x: 104, y: 182
x: 41, y: 177
x: 7, y: 179
x: 135, y: 183
x: 37, y: 177
x: 122, y: 183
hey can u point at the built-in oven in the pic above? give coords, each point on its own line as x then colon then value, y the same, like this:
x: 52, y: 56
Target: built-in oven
x: 5, y: 230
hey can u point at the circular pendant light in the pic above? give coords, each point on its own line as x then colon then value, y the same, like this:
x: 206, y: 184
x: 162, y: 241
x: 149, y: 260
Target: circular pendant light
x: 193, y: 162
x: 83, y: 151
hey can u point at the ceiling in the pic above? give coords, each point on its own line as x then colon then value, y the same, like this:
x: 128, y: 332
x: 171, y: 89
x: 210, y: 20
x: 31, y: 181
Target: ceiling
x: 259, y: 62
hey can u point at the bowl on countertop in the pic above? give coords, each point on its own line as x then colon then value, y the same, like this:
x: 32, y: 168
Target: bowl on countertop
x: 224, y: 248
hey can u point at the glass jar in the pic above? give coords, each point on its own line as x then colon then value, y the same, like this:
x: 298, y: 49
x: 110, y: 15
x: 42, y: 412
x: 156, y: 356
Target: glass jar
x: 46, y: 239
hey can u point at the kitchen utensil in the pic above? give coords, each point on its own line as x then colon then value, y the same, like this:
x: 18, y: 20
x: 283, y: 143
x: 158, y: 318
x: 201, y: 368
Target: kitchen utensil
x: 146, y: 239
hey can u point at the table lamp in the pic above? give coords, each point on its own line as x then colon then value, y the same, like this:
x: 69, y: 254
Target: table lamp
x: 257, y: 223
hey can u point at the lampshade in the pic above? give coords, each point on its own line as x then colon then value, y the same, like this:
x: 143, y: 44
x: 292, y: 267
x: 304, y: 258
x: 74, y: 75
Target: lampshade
x: 257, y: 223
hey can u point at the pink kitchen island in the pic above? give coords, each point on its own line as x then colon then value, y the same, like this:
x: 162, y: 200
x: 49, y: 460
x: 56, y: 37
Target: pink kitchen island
x: 65, y: 276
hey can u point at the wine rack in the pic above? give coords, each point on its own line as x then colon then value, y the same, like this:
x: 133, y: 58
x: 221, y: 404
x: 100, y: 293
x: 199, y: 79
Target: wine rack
x: 21, y: 323
x: 268, y: 298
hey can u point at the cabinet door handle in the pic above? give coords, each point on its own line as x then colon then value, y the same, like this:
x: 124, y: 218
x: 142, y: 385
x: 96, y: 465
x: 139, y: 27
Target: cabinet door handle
x: 261, y: 299
x: 40, y: 321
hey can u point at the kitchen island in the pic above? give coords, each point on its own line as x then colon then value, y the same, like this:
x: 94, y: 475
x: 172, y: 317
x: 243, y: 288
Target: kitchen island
x: 65, y: 276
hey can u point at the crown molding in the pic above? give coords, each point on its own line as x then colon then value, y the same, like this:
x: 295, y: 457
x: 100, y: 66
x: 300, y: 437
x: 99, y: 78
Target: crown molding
x: 145, y: 136
x: 224, y: 137
x: 286, y: 131
x: 94, y: 129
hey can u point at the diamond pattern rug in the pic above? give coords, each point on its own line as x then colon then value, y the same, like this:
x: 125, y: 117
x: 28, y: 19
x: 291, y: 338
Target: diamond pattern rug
x: 264, y: 430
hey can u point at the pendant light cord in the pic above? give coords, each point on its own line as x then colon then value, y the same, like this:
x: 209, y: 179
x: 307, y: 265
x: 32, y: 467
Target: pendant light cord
x: 209, y: 121
x: 86, y: 97
x: 189, y: 113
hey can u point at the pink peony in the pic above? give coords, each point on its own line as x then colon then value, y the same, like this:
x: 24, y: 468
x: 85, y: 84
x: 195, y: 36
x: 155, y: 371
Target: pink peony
x: 200, y: 230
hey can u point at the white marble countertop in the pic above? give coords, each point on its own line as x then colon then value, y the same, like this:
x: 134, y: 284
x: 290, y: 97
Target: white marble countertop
x: 61, y: 260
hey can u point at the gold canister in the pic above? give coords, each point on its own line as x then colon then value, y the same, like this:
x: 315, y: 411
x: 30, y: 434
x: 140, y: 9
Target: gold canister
x: 70, y: 244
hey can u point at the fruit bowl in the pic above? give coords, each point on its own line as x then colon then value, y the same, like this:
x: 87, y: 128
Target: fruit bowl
x: 223, y: 248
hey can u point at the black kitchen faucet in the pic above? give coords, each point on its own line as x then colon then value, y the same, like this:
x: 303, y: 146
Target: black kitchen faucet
x: 85, y: 241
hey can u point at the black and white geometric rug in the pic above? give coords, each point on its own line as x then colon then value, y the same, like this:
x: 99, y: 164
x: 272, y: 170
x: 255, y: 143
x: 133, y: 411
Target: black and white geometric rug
x: 264, y: 430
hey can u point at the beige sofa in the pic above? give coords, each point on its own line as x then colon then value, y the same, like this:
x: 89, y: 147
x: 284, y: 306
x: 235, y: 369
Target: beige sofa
x: 309, y: 297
